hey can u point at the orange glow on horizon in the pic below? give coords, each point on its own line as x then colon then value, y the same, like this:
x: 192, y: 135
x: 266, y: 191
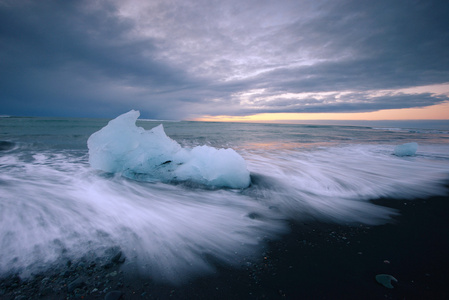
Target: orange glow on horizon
x: 435, y: 112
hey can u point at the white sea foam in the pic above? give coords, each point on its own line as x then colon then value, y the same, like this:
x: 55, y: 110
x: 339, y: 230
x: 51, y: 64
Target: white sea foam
x: 67, y: 210
x: 337, y: 183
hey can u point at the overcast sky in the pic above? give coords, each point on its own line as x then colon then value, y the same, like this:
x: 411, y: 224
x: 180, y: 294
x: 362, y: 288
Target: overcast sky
x: 182, y: 59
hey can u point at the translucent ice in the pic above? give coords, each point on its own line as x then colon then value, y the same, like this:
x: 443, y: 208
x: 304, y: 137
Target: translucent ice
x: 122, y: 147
x: 408, y: 149
x: 386, y: 280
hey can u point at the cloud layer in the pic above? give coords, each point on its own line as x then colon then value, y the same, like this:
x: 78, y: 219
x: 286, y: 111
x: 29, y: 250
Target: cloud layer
x: 182, y: 59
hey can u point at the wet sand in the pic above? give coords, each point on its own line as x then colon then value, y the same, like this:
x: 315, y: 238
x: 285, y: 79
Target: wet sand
x: 315, y: 260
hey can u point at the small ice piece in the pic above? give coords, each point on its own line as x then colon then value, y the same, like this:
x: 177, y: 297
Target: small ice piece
x: 408, y: 149
x: 148, y: 155
x: 385, y: 280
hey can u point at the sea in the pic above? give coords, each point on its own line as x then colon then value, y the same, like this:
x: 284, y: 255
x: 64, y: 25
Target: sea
x: 55, y: 207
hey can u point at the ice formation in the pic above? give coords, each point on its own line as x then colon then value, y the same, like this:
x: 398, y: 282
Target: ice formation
x: 386, y: 280
x: 408, y: 149
x: 136, y: 153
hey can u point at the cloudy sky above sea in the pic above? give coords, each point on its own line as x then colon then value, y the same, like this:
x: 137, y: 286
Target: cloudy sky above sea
x: 174, y: 59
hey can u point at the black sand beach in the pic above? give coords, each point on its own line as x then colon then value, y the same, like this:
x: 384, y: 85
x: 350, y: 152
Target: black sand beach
x: 314, y: 261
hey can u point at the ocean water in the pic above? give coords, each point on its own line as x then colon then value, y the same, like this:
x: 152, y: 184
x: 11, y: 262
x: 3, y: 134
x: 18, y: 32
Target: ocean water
x: 55, y: 207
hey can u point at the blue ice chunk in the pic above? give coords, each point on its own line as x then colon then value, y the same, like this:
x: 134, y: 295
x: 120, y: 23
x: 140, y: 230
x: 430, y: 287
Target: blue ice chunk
x: 408, y: 149
x: 136, y: 153
x: 386, y: 280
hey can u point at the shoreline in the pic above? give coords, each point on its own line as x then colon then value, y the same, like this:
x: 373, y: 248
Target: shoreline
x: 315, y: 260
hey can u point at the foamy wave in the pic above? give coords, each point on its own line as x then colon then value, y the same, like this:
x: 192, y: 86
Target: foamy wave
x: 337, y: 183
x: 57, y: 207
x: 54, y: 207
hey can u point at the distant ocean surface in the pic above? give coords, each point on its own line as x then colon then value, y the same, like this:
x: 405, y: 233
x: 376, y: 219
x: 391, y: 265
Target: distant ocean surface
x: 54, y: 206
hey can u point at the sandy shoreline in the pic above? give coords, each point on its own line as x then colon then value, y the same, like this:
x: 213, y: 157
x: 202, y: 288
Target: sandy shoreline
x: 314, y: 261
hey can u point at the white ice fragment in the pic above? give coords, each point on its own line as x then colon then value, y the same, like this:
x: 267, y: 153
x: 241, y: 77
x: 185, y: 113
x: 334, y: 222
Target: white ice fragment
x: 408, y: 149
x: 122, y: 147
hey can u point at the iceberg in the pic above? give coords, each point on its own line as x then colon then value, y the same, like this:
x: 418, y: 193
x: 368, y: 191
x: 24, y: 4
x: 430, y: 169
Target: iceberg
x: 150, y: 155
x: 408, y: 149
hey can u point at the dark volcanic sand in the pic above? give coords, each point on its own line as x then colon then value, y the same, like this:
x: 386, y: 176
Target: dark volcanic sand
x: 314, y: 261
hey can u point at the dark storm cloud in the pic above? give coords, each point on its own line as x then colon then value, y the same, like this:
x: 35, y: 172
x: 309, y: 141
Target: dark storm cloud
x: 370, y: 45
x: 59, y: 56
x: 188, y: 58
